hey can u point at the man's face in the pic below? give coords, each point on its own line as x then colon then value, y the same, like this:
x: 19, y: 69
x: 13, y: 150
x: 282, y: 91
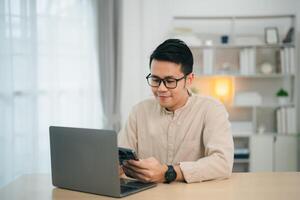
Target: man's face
x: 171, y: 99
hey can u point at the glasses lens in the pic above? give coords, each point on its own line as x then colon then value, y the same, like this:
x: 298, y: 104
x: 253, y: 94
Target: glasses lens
x: 152, y: 81
x: 171, y: 83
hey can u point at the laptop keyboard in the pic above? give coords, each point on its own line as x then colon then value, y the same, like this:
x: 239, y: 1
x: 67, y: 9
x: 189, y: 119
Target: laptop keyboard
x: 127, y: 189
x: 128, y: 185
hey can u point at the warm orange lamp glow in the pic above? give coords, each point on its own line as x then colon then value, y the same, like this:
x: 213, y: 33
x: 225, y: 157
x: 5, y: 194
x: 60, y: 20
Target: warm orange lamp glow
x: 223, y: 88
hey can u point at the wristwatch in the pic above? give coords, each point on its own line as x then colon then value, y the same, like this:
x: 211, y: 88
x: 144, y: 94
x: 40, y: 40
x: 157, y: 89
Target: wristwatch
x: 170, y: 174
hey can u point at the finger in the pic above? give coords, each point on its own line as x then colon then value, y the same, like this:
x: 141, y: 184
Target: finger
x: 129, y: 173
x: 136, y: 175
x: 136, y: 169
x: 138, y: 164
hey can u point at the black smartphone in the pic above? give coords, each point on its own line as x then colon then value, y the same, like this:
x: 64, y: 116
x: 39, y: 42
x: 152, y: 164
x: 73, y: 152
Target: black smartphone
x: 126, y: 154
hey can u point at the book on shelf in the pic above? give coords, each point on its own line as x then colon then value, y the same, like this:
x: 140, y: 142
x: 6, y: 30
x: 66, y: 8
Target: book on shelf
x: 241, y: 153
x: 287, y: 60
x: 286, y: 120
x: 248, y: 61
x: 292, y: 60
x: 208, y: 61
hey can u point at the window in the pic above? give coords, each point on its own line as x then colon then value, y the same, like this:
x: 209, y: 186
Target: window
x: 48, y: 76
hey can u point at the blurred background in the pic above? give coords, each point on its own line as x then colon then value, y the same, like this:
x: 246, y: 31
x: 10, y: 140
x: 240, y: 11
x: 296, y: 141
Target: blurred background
x: 83, y: 63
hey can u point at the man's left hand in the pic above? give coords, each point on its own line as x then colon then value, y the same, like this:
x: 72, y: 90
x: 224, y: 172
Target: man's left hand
x: 146, y: 170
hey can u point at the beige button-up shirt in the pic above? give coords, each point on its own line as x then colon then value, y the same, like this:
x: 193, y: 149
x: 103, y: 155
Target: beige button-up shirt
x: 196, y: 136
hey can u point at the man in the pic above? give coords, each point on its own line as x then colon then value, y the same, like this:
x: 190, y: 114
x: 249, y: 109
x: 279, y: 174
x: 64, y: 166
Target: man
x: 177, y: 136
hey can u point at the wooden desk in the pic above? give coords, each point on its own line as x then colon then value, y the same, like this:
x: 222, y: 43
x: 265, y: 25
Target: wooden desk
x: 252, y: 186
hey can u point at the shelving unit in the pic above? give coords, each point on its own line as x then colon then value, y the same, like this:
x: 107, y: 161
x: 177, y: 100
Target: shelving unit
x: 228, y: 46
x: 279, y: 152
x: 242, y: 60
x: 222, y: 54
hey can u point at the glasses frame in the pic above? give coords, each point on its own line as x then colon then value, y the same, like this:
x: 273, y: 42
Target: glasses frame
x: 164, y: 81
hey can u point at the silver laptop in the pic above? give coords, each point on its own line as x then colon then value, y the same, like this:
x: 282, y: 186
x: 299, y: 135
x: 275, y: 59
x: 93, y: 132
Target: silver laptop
x: 87, y: 160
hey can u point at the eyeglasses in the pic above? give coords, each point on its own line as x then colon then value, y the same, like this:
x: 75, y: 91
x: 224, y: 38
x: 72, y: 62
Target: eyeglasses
x: 170, y: 83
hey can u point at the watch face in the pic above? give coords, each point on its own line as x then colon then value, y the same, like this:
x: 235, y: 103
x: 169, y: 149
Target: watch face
x: 170, y: 174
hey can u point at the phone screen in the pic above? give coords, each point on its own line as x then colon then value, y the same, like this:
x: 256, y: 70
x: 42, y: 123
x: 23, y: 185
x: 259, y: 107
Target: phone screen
x: 126, y: 154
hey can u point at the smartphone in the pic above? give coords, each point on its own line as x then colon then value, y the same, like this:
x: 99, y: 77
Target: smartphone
x: 126, y: 154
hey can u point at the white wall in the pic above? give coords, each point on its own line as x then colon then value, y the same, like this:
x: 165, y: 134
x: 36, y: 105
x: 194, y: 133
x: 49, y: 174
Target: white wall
x: 147, y: 23
x: 131, y: 59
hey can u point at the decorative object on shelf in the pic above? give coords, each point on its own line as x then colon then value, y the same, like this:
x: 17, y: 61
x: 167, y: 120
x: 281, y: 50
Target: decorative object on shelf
x: 261, y: 129
x: 225, y: 68
x: 224, y: 39
x: 209, y: 42
x: 289, y: 38
x: 271, y: 35
x: 266, y: 68
x: 282, y: 96
x: 247, y: 99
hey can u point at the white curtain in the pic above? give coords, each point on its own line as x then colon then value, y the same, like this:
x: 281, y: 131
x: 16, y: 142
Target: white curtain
x: 48, y: 76
x: 108, y: 22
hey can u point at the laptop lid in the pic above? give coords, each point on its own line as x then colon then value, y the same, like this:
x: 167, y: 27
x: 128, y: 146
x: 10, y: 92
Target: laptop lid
x: 85, y: 160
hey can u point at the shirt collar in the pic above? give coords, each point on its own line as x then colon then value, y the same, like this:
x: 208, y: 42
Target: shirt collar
x: 188, y: 102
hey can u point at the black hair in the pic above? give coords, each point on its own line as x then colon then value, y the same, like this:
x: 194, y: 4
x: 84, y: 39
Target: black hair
x: 176, y: 51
